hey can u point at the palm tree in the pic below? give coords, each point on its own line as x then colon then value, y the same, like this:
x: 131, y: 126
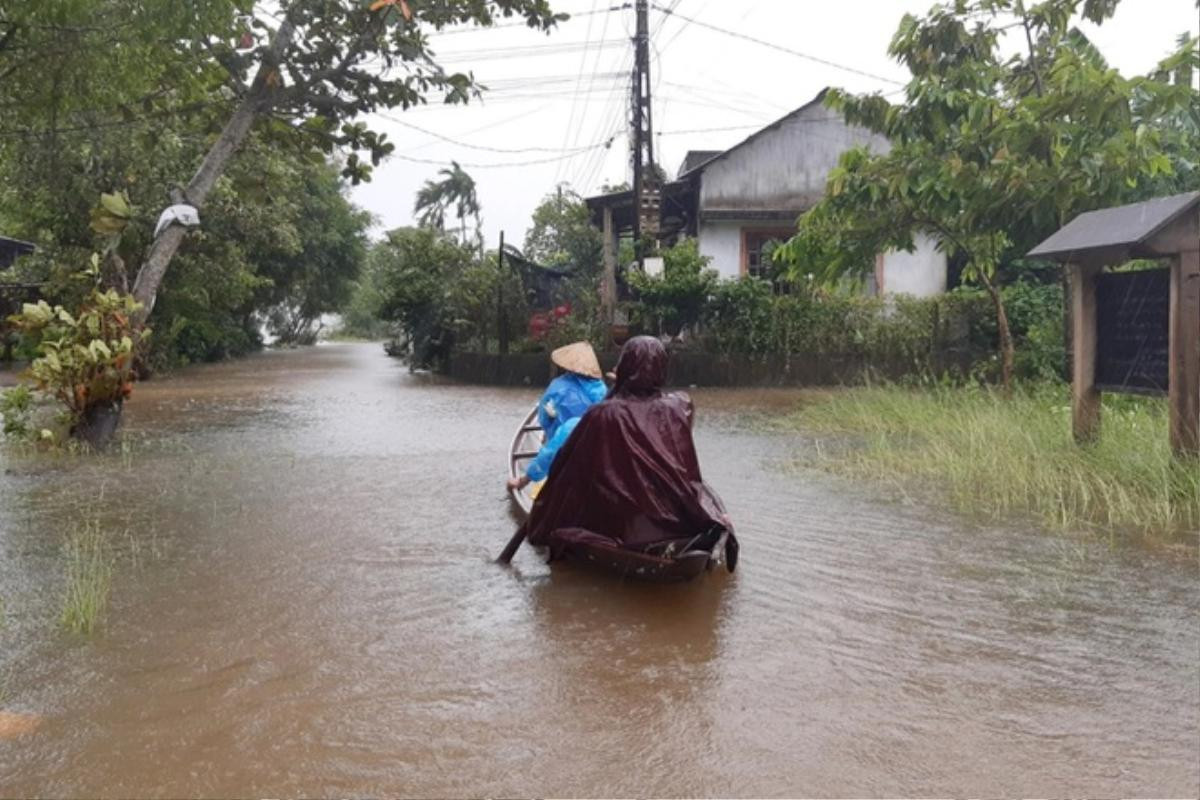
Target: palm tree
x: 431, y: 206
x: 457, y: 189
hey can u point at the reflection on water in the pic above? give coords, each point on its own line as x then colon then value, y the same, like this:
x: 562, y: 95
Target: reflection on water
x: 304, y: 604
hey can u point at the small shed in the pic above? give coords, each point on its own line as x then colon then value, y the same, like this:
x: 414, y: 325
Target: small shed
x: 10, y: 249
x: 1134, y: 331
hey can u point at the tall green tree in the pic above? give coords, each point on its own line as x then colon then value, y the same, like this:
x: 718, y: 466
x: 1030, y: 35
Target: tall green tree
x: 319, y: 277
x: 991, y: 152
x: 306, y: 67
x: 418, y: 272
x: 456, y: 190
x: 562, y: 235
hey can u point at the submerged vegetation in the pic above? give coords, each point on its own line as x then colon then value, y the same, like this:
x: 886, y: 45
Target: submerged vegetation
x: 997, y: 456
x: 89, y: 567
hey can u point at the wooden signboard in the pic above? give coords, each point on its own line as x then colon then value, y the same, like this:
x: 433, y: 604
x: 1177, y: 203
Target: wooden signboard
x: 1133, y: 339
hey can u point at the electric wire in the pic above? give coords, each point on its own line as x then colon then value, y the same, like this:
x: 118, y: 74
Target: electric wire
x: 780, y: 48
x: 479, y: 28
x: 486, y: 148
x: 578, y: 84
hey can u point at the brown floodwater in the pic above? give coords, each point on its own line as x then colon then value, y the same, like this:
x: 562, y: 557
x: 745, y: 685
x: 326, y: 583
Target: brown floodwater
x: 304, y: 604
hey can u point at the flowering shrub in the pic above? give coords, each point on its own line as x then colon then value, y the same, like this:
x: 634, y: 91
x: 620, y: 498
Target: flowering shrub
x: 84, y: 358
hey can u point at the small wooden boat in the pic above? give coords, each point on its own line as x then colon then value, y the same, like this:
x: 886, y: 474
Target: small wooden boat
x: 525, y: 446
x: 679, y: 560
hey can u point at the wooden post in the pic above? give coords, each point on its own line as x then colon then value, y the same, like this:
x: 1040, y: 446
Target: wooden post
x: 501, y: 314
x: 1184, y: 388
x: 1085, y: 399
x: 608, y: 283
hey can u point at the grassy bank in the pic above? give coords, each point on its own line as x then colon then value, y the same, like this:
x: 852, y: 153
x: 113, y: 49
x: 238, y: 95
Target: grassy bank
x: 994, y: 456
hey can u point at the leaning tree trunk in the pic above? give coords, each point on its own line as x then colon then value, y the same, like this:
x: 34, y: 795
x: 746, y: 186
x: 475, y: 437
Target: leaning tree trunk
x: 99, y: 424
x: 1007, y: 351
x: 256, y: 101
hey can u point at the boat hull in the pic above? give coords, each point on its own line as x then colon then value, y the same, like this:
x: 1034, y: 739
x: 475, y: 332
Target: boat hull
x: 626, y: 563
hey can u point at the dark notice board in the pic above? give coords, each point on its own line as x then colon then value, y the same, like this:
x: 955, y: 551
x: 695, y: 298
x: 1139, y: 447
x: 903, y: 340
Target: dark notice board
x: 1132, y: 347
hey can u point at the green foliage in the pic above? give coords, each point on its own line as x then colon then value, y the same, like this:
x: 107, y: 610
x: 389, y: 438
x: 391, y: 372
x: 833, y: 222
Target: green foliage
x: 991, y: 152
x: 89, y: 567
x: 85, y: 357
x: 926, y: 336
x: 437, y: 293
x: 280, y: 242
x: 1035, y: 311
x: 361, y: 314
x: 675, y: 300
x: 455, y: 190
x: 562, y: 236
x: 107, y: 109
x: 16, y: 405
x: 318, y: 278
x: 996, y: 456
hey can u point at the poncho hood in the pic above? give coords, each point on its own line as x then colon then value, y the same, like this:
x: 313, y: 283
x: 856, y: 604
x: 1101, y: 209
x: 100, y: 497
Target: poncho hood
x: 642, y: 368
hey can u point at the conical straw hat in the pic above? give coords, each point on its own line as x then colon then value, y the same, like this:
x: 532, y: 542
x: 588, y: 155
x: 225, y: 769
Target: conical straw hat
x: 578, y: 357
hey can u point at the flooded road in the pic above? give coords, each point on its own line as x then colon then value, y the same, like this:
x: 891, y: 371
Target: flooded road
x: 304, y: 604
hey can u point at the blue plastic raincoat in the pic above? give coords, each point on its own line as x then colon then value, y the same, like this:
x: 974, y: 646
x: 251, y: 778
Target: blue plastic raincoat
x: 567, y: 397
x: 565, y: 400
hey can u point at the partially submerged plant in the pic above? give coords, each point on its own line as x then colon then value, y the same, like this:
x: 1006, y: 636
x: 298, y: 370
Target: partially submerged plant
x: 15, y: 408
x: 85, y: 359
x: 88, y: 578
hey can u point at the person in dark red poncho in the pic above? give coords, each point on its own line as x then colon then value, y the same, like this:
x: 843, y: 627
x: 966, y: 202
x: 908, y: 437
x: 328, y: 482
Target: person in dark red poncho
x: 628, y: 476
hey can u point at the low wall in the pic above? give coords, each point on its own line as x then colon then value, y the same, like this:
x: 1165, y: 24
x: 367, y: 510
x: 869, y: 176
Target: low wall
x: 703, y: 369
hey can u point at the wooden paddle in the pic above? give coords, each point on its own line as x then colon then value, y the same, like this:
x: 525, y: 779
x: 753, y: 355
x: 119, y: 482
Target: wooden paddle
x: 510, y: 549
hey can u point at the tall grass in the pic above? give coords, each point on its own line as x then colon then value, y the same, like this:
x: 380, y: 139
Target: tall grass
x: 89, y: 565
x: 997, y: 456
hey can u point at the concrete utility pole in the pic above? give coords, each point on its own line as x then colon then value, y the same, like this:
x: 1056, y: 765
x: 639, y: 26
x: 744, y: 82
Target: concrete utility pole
x: 647, y: 194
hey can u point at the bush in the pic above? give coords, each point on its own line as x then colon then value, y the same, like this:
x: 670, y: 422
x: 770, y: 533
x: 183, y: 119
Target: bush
x: 925, y: 336
x: 676, y: 300
x: 84, y: 359
x: 16, y: 405
x: 441, y: 296
x: 1035, y: 312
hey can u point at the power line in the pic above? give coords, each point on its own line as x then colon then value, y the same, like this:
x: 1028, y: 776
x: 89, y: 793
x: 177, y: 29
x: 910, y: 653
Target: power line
x: 504, y: 165
x: 479, y: 28
x: 588, y: 171
x: 529, y: 51
x: 709, y: 130
x: 578, y: 83
x: 489, y: 148
x: 675, y: 36
x: 488, y: 126
x: 780, y: 48
x: 622, y: 63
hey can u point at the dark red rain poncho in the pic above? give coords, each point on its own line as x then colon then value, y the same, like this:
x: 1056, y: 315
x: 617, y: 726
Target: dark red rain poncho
x: 628, y: 476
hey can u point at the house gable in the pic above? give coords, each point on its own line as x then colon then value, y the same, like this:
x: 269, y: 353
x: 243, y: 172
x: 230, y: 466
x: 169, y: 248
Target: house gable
x: 781, y: 170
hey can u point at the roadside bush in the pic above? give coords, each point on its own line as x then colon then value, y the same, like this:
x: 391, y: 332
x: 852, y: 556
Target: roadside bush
x: 739, y: 318
x: 1037, y: 318
x: 441, y: 296
x: 85, y: 357
x: 676, y: 300
x: 923, y: 336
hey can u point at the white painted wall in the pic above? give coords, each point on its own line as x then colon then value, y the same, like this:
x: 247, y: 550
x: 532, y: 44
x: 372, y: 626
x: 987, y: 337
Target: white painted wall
x: 783, y: 167
x: 721, y: 241
x: 921, y: 273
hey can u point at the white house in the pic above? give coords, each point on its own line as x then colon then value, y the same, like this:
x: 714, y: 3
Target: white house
x: 737, y: 200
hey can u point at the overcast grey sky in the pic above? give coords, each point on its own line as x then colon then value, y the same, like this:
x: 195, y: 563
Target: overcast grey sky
x: 559, y: 99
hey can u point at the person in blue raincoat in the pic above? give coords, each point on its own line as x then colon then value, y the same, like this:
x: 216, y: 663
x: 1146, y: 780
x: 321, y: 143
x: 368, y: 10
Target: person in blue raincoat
x: 566, y: 398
